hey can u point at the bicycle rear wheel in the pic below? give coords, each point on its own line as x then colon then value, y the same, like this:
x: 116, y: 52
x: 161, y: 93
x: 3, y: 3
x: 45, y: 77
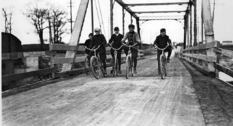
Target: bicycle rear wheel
x: 161, y: 66
x: 95, y: 67
x: 115, y: 69
x: 128, y: 65
x: 86, y: 65
x: 164, y: 66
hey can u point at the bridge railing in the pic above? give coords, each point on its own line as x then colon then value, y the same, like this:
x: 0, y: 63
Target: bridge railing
x: 206, y: 58
x: 55, y: 61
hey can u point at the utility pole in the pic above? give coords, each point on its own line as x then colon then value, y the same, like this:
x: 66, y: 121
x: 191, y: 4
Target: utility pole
x: 111, y: 16
x: 92, y: 17
x: 71, y: 17
x: 213, y: 12
x: 123, y: 21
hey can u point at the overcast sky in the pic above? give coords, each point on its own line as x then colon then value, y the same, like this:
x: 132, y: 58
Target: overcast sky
x: 25, y: 31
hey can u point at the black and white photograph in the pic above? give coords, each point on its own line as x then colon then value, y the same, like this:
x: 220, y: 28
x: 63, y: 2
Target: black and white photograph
x: 116, y: 63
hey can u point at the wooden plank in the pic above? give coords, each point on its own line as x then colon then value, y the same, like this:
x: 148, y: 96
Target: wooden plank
x: 35, y: 54
x: 12, y: 56
x: 223, y: 69
x: 75, y: 37
x: 5, y: 56
x: 203, y: 46
x: 224, y: 52
x: 62, y: 47
x: 62, y: 60
x: 202, y: 57
x: 203, y: 70
x: 16, y: 55
x: 14, y: 77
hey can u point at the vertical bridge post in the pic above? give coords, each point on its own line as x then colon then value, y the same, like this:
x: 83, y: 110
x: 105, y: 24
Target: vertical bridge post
x: 209, y: 33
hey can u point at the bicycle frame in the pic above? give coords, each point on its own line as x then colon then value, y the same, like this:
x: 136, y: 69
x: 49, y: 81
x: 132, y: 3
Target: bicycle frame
x: 163, y: 56
x: 115, y: 73
x: 129, y: 60
x: 99, y: 63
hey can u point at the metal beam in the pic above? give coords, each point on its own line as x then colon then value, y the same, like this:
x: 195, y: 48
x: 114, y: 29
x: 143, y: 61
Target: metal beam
x: 191, y: 27
x: 154, y: 4
x: 142, y: 12
x: 195, y: 22
x: 111, y: 17
x: 162, y: 19
x: 92, y: 17
x: 122, y: 4
x: 75, y: 36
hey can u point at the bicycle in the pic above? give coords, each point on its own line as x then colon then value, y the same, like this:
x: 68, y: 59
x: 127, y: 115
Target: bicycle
x: 129, y: 65
x: 162, y: 62
x: 96, y: 64
x: 87, y: 62
x: 115, y: 71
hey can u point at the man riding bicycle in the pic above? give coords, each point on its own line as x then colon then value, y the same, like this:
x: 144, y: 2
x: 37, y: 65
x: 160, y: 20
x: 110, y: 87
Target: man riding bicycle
x: 115, y: 42
x: 161, y: 41
x: 99, y: 40
x: 133, y: 38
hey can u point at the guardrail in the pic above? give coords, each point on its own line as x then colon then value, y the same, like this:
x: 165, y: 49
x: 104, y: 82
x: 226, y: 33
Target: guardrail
x: 53, y: 60
x: 206, y: 58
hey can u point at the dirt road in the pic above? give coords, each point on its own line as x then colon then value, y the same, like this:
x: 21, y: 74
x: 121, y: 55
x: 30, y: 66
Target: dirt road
x: 144, y: 100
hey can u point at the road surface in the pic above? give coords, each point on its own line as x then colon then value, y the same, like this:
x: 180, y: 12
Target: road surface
x: 144, y: 100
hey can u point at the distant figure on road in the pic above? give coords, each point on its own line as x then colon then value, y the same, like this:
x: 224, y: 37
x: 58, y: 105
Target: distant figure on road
x: 133, y: 38
x: 161, y: 41
x: 99, y: 39
x: 115, y: 41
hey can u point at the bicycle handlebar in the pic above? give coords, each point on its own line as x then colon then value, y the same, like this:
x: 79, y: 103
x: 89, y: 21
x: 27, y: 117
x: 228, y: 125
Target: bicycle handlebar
x: 92, y: 49
x: 115, y: 48
x: 162, y: 48
x: 130, y: 46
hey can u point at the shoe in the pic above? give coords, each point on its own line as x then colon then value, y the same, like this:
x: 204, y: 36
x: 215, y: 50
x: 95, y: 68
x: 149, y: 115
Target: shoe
x: 159, y: 72
x: 168, y: 60
x: 119, y: 72
x: 105, y: 72
x: 111, y: 71
x: 135, y: 71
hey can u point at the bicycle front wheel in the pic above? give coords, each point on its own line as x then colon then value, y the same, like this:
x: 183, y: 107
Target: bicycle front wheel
x: 164, y: 66
x: 161, y: 66
x: 86, y: 65
x: 128, y: 66
x: 95, y: 67
x: 115, y: 70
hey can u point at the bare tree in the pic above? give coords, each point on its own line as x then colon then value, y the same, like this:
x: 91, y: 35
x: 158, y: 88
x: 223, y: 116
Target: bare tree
x: 38, y: 17
x: 57, y: 20
x: 8, y: 20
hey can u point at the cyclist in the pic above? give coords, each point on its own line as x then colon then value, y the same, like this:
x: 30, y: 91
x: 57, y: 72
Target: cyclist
x: 99, y: 40
x: 115, y: 41
x: 88, y: 45
x: 133, y: 38
x: 161, y: 41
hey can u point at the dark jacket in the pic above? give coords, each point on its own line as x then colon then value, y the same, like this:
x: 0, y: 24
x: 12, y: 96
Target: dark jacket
x: 88, y: 45
x: 161, y: 41
x: 116, y: 40
x: 99, y: 40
